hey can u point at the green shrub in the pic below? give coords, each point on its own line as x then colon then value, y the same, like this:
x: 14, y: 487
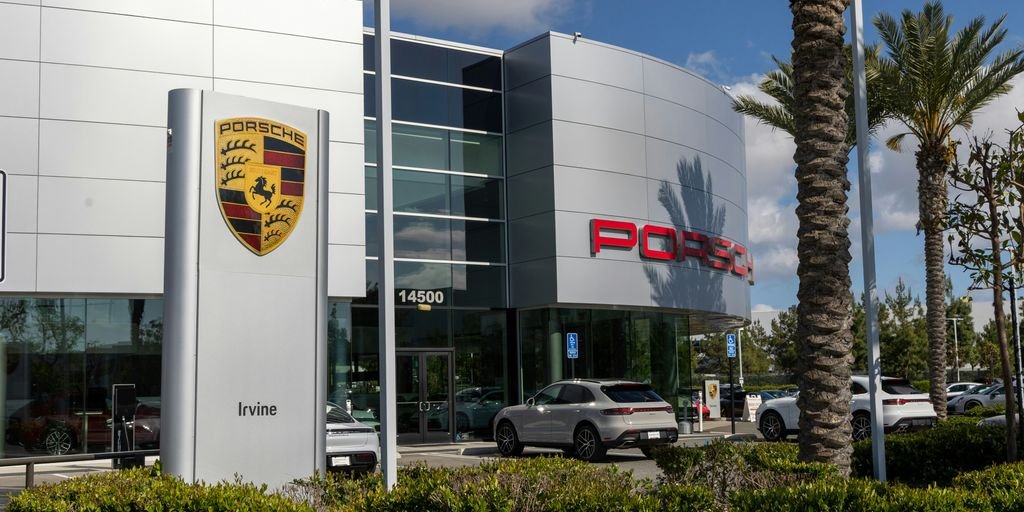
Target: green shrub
x: 529, y: 484
x: 856, y: 495
x: 1003, y: 484
x: 726, y: 467
x: 935, y: 456
x: 923, y: 385
x: 146, y: 489
x: 986, y: 412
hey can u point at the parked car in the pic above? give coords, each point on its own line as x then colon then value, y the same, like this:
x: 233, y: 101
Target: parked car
x: 586, y: 417
x: 732, y: 400
x: 958, y: 388
x: 696, y: 404
x: 997, y: 421
x: 474, y: 410
x: 978, y: 397
x: 904, y: 408
x: 59, y: 425
x: 351, y: 445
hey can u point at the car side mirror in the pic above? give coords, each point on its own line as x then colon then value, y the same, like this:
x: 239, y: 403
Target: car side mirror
x: 529, y: 402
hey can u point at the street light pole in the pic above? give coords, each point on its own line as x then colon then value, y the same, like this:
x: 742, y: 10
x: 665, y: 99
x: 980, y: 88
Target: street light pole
x: 956, y: 346
x: 867, y: 234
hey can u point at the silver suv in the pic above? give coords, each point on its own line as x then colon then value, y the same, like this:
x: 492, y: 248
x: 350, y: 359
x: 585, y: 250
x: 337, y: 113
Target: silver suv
x: 586, y: 417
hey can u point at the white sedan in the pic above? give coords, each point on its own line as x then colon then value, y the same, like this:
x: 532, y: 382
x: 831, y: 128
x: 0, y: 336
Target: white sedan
x: 904, y: 408
x: 351, y: 445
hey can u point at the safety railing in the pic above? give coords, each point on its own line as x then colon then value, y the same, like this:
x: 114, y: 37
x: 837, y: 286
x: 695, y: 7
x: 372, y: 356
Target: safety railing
x: 30, y: 462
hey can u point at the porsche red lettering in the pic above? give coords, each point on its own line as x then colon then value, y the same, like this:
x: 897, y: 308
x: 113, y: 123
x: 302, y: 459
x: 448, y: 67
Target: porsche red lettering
x: 669, y: 244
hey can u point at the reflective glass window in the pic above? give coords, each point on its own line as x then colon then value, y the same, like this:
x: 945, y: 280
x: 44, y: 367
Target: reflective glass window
x: 410, y: 275
x: 423, y: 238
x: 419, y: 60
x: 370, y: 182
x: 417, y: 146
x: 446, y: 106
x: 371, y: 235
x: 416, y: 328
x: 477, y: 197
x: 421, y: 192
x: 474, y: 69
x: 476, y: 152
x: 62, y: 358
x: 478, y: 286
x: 478, y: 241
x: 435, y: 148
x: 431, y: 62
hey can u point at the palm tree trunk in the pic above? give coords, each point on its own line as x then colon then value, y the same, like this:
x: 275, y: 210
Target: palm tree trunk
x: 824, y: 338
x: 933, y: 202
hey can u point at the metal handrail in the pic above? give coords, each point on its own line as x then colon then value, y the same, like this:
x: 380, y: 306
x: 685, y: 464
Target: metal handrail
x: 30, y: 462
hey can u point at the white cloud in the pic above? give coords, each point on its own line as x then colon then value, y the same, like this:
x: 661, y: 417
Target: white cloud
x: 479, y: 16
x: 706, y: 64
x: 769, y: 221
x: 762, y: 308
x: 776, y: 261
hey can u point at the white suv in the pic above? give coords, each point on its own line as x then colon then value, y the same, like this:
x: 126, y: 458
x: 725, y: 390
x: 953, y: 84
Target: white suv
x: 587, y: 417
x: 904, y: 408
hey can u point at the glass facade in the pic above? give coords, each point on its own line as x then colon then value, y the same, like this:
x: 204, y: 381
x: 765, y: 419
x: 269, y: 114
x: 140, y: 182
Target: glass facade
x: 451, y: 321
x: 63, y: 357
x: 635, y: 345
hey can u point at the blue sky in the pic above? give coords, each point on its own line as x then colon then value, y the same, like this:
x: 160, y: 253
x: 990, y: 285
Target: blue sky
x: 731, y: 43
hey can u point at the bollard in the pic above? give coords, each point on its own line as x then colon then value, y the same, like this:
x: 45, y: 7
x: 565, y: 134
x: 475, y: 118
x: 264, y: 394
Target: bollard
x: 30, y: 474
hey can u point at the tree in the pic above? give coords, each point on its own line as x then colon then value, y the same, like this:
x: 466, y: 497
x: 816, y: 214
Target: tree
x: 778, y: 84
x: 935, y: 83
x: 781, y: 343
x: 989, y: 222
x: 823, y: 312
x: 965, y: 338
x: 903, y: 339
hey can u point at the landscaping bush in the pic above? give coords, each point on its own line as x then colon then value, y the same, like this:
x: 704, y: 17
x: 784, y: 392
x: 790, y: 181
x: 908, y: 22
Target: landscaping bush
x: 856, y: 495
x: 1003, y: 484
x: 530, y: 484
x: 986, y: 412
x: 923, y: 385
x: 935, y: 456
x: 725, y: 467
x: 146, y: 489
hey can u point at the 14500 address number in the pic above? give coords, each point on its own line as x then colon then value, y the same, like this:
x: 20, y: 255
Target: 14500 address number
x: 421, y: 296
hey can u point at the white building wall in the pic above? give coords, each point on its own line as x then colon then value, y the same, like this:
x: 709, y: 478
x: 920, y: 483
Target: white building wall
x: 83, y: 112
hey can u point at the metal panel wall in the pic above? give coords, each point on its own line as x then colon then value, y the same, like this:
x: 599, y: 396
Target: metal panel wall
x: 83, y: 102
x: 632, y: 139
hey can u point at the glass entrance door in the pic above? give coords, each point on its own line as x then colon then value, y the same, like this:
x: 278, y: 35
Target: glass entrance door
x: 424, y: 397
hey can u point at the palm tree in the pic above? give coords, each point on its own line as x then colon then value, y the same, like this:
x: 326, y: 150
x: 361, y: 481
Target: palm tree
x: 935, y: 83
x: 778, y: 84
x: 823, y: 334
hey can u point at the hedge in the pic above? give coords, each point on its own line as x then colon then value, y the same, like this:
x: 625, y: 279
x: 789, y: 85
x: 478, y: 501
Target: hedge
x: 530, y: 484
x: 986, y: 412
x: 857, y: 495
x: 937, y: 455
x: 147, y: 489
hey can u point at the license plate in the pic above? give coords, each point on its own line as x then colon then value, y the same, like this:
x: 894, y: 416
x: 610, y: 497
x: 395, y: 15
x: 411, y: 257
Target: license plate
x: 654, y: 435
x: 341, y: 461
x: 921, y: 422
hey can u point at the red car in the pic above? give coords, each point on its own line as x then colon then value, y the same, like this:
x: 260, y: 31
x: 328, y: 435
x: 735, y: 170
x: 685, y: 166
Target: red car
x: 59, y: 426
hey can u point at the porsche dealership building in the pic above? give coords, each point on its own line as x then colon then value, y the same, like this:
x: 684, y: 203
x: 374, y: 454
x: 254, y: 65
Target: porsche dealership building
x: 559, y: 186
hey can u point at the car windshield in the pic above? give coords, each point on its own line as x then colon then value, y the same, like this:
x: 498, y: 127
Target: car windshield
x: 626, y: 393
x: 336, y: 414
x: 899, y: 387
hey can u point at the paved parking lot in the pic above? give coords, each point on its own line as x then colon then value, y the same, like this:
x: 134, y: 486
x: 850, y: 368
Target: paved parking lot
x: 12, y: 478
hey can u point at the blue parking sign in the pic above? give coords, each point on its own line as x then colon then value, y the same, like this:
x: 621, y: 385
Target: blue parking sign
x: 572, y: 347
x: 730, y: 345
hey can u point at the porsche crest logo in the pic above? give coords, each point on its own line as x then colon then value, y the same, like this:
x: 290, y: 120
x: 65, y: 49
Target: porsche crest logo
x: 261, y: 174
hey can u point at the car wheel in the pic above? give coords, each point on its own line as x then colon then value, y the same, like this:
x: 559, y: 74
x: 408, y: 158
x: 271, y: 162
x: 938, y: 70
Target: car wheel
x: 972, y: 405
x: 461, y: 422
x: 57, y: 440
x: 861, y: 426
x: 507, y: 440
x: 772, y: 427
x: 588, y: 444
